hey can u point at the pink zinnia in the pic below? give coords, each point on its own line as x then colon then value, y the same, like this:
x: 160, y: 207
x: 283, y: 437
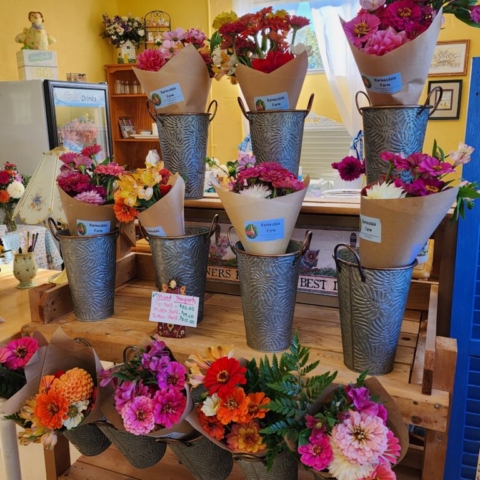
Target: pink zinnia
x: 169, y: 407
x: 361, y: 28
x: 138, y: 416
x: 289, y: 184
x: 92, y: 197
x: 433, y: 166
x: 381, y: 472
x: 350, y: 168
x: 392, y: 453
x: 20, y: 352
x: 111, y: 168
x: 68, y: 158
x: 361, y: 438
x: 194, y: 36
x: 91, y: 150
x: 402, y: 13
x: 151, y: 60
x: 318, y: 454
x: 172, y: 377
x: 384, y: 41
x: 413, y: 189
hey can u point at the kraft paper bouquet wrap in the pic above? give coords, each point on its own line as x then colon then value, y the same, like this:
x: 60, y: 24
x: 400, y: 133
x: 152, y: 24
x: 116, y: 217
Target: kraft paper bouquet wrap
x: 61, y: 392
x: 177, y: 75
x: 393, y: 42
x: 148, y: 395
x: 399, y: 213
x: 86, y: 187
x: 155, y: 196
x: 254, y: 52
x: 263, y: 203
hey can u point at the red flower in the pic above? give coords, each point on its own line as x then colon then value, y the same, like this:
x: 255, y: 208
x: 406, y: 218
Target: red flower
x: 298, y: 22
x: 4, y: 177
x: 272, y: 61
x: 223, y: 375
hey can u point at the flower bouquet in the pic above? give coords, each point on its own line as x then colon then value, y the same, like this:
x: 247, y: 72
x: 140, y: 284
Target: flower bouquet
x: 253, y: 50
x: 121, y: 29
x: 60, y: 395
x: 153, y: 195
x: 400, y: 212
x: 393, y: 42
x: 351, y: 433
x: 262, y: 203
x: 12, y: 187
x: 86, y: 188
x: 177, y: 74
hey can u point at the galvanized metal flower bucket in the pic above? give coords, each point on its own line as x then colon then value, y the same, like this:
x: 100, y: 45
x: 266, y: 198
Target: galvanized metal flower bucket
x: 139, y: 450
x: 268, y: 287
x: 88, y: 439
x: 203, y: 459
x: 277, y: 135
x: 394, y: 128
x: 184, y: 258
x: 372, y: 303
x: 90, y: 262
x: 183, y: 144
x: 285, y: 467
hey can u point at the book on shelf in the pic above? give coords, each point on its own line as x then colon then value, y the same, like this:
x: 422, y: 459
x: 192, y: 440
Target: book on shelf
x: 127, y: 128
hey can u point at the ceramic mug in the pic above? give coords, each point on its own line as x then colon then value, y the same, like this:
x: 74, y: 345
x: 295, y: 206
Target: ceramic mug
x: 25, y: 269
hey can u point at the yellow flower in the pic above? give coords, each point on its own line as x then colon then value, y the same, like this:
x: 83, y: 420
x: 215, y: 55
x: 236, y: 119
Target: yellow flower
x: 223, y: 18
x: 279, y: 13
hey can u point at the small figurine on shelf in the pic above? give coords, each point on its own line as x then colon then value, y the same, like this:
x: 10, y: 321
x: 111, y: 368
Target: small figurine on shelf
x: 35, y: 37
x: 150, y: 37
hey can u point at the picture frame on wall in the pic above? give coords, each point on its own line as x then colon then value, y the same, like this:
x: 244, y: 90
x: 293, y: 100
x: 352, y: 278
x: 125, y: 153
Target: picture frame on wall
x: 449, y: 104
x: 450, y: 58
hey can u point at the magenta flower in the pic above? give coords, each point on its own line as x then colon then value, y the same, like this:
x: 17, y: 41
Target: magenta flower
x: 169, y: 406
x: 361, y: 28
x: 475, y: 14
x: 414, y: 189
x: 73, y: 182
x: 151, y: 60
x: 155, y: 363
x: 126, y: 392
x: 392, y: 453
x: 91, y: 150
x: 434, y: 167
x: 195, y: 36
x: 4, y: 354
x: 384, y: 41
x: 68, y: 158
x: 434, y: 185
x: 381, y: 472
x: 361, y: 400
x: 138, y: 416
x: 20, y: 352
x: 401, y: 13
x: 317, y: 454
x: 350, y: 168
x: 172, y: 377
x: 245, y: 160
x: 111, y: 168
x: 91, y: 197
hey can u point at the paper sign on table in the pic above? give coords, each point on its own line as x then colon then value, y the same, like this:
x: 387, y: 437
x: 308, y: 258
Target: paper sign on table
x: 174, y: 309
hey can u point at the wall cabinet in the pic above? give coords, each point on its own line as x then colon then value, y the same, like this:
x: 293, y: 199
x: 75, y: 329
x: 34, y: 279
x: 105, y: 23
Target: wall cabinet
x: 129, y: 151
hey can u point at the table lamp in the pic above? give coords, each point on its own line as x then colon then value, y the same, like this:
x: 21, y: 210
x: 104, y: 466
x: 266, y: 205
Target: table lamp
x: 41, y: 199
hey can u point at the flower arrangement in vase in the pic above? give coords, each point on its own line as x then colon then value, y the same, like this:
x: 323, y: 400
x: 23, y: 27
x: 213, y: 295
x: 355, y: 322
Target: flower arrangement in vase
x: 12, y: 187
x: 254, y: 50
x: 121, y: 29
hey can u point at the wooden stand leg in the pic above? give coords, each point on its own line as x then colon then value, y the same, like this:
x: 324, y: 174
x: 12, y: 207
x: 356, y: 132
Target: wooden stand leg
x: 9, y: 449
x: 57, y: 461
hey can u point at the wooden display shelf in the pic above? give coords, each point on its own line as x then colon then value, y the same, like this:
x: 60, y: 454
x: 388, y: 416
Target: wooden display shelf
x: 424, y: 362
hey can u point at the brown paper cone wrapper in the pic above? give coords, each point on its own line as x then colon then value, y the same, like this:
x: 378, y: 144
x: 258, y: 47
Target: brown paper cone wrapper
x: 406, y: 225
x: 189, y: 70
x: 62, y: 353
x: 288, y: 78
x: 411, y: 60
x: 75, y: 210
x: 168, y: 212
x: 242, y: 209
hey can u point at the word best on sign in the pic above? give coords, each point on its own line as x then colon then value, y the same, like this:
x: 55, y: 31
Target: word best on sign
x: 175, y: 309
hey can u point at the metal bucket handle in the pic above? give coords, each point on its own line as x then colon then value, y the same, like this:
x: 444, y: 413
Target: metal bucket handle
x: 359, y: 264
x: 305, y: 246
x: 213, y: 227
x: 427, y: 100
x: 357, y: 102
x: 154, y: 117
x: 230, y: 244
x: 242, y: 107
x: 126, y: 350
x: 215, y: 104
x: 143, y: 231
x: 54, y: 228
x: 83, y: 340
x: 310, y: 103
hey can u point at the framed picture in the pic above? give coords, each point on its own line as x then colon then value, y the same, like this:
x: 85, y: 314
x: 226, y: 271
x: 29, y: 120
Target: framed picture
x: 449, y: 103
x: 450, y: 58
x: 126, y: 127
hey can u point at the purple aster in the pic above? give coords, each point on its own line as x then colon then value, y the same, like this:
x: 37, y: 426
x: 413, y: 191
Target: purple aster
x: 172, y: 377
x: 138, y: 416
x: 169, y: 406
x: 92, y: 197
x: 245, y: 160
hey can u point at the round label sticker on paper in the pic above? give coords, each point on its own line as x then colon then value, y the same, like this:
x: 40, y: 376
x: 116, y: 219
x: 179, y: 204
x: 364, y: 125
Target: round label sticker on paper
x: 383, y: 84
x: 265, y: 230
x: 156, y: 231
x: 88, y: 227
x: 371, y: 229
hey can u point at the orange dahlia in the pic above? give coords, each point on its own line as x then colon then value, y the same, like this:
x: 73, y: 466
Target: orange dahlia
x: 51, y: 409
x: 75, y: 385
x: 211, y: 425
x: 234, y: 408
x: 246, y: 438
x: 256, y: 400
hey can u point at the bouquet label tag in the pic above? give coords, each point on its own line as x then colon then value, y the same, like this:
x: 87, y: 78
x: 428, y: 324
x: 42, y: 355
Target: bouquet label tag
x: 174, y: 309
x: 278, y: 101
x: 265, y: 230
x: 165, y: 96
x: 384, y: 84
x: 88, y: 227
x: 157, y: 231
x: 371, y: 229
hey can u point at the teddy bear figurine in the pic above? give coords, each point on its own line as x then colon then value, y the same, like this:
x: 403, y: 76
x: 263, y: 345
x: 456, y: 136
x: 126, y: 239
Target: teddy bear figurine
x: 35, y: 37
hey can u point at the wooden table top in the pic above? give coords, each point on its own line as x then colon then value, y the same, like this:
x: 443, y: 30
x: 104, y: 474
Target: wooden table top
x: 318, y: 327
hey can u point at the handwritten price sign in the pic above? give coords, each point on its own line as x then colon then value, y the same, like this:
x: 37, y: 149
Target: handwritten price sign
x: 176, y: 309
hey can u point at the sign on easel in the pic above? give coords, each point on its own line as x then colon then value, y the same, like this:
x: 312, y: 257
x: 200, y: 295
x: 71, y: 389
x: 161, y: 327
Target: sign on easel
x: 174, y: 309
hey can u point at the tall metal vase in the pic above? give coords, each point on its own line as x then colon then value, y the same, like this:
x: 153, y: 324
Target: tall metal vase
x: 184, y: 258
x: 394, y: 128
x: 268, y: 287
x: 277, y: 135
x: 285, y: 467
x: 372, y: 303
x: 183, y: 144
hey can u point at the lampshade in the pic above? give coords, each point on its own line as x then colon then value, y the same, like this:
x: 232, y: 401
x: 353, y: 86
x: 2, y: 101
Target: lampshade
x: 41, y: 198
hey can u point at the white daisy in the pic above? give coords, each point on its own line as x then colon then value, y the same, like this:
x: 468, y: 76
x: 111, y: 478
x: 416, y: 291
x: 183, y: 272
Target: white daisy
x: 257, y: 191
x: 16, y: 189
x: 74, y: 414
x: 385, y: 190
x: 210, y: 405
